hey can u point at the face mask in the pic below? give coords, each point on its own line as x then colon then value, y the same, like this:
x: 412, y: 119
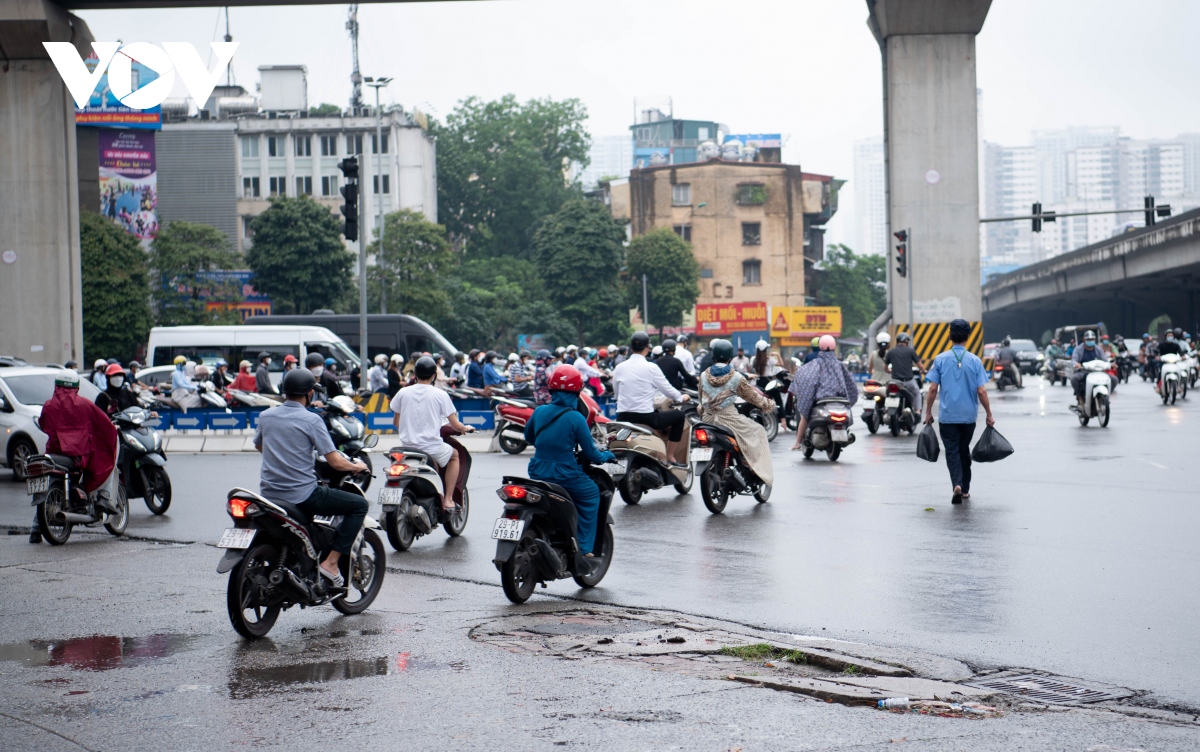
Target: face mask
x: 179, y: 367
x: 318, y: 370
x: 1170, y: 338
x: 1089, y: 344
x: 267, y: 362
x: 116, y: 380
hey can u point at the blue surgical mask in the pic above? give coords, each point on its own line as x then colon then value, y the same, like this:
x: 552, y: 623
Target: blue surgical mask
x: 1089, y: 344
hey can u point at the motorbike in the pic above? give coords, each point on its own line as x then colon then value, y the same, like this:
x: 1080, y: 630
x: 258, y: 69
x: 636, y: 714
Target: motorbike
x: 535, y: 537
x: 252, y: 399
x: 1095, y: 393
x: 141, y: 460
x: 210, y: 397
x: 1193, y: 370
x: 769, y: 421
x: 1126, y: 365
x: 642, y: 461
x: 722, y: 468
x: 828, y: 428
x: 349, y: 434
x: 874, y: 409
x: 1173, y: 374
x: 56, y: 485
x: 1004, y: 377
x: 513, y: 414
x: 412, y: 494
x: 273, y: 550
x: 899, y: 409
x: 776, y: 387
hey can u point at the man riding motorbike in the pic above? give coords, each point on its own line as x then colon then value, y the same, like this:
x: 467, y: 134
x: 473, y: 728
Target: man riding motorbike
x: 290, y: 438
x: 1087, y: 352
x: 555, y: 430
x: 183, y: 389
x: 720, y: 386
x: 903, y: 359
x: 673, y: 368
x: 262, y: 375
x: 419, y: 411
x: 635, y: 382
x: 118, y: 396
x: 323, y: 370
x: 823, y: 378
x: 1006, y: 357
x: 245, y: 381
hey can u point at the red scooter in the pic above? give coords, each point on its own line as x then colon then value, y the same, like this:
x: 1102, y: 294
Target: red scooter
x: 513, y: 414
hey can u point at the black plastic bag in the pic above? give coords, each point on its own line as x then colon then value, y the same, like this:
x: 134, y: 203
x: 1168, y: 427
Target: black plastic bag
x: 991, y: 447
x: 927, y: 444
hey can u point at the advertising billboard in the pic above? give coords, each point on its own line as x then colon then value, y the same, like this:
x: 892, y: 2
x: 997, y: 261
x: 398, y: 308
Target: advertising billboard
x: 724, y: 319
x: 805, y: 322
x: 129, y: 182
x: 104, y: 110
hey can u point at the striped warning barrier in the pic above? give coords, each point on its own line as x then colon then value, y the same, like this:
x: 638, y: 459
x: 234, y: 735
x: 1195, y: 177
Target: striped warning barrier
x: 930, y: 340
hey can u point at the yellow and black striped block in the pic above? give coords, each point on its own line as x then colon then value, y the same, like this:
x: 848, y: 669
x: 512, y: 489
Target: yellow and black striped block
x: 375, y: 403
x: 930, y: 340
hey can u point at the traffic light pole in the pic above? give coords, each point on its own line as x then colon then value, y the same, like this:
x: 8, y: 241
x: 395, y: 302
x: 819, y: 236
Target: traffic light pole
x: 908, y: 254
x: 362, y: 295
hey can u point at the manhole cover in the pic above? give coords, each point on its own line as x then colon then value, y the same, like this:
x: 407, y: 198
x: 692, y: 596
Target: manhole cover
x: 1048, y: 689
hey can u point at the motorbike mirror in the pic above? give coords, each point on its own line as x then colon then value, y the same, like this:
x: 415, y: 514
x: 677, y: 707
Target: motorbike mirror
x: 371, y: 440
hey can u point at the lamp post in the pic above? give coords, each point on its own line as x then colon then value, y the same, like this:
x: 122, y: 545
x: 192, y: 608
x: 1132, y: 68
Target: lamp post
x: 377, y: 84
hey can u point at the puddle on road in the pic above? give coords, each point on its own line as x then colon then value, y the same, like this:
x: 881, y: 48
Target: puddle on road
x: 249, y: 682
x: 97, y: 652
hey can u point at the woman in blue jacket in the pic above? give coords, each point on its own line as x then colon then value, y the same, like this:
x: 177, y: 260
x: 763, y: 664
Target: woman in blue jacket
x: 555, y: 429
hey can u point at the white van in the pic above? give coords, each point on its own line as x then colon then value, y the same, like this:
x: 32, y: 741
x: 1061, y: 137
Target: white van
x: 208, y: 344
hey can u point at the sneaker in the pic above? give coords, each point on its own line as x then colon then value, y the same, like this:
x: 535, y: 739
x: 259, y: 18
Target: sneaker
x: 35, y: 536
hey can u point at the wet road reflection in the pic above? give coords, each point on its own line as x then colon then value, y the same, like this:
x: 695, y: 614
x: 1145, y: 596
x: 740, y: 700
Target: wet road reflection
x: 96, y: 652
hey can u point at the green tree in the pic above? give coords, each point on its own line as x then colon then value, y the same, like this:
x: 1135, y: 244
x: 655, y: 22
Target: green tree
x: 579, y: 249
x: 856, y: 283
x: 415, y: 258
x: 116, y: 289
x: 502, y: 168
x: 672, y: 276
x: 298, y: 257
x: 183, y: 257
x: 324, y: 110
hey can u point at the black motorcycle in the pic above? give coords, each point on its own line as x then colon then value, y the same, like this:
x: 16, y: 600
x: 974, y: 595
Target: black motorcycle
x: 1126, y: 365
x: 722, y: 468
x: 768, y: 420
x: 1003, y: 375
x: 56, y: 485
x: 273, y: 551
x: 900, y: 413
x: 828, y: 428
x: 142, y: 461
x: 349, y: 434
x: 535, y: 538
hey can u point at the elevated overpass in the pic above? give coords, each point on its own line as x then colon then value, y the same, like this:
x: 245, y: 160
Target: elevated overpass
x: 1126, y: 282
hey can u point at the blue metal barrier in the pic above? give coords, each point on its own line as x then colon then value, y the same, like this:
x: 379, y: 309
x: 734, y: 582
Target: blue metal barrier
x: 228, y: 421
x: 190, y: 421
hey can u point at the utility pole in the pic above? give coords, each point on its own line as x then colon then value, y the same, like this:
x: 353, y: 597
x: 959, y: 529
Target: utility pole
x: 645, y: 305
x: 377, y: 84
x: 355, y: 75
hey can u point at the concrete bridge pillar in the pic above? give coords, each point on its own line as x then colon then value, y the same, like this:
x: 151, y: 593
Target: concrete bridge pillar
x: 41, y: 315
x: 931, y: 138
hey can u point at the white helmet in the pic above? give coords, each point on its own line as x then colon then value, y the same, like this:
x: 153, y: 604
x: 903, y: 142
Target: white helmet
x: 100, y: 363
x: 612, y: 349
x: 397, y: 358
x: 512, y: 358
x: 380, y: 359
x: 68, y: 378
x: 657, y: 350
x: 883, y: 338
x: 761, y: 345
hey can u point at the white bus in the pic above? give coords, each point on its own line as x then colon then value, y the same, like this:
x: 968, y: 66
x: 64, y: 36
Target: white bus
x: 208, y: 344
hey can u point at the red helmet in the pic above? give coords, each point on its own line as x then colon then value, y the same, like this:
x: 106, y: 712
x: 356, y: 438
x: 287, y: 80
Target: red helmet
x: 566, y: 379
x: 289, y: 358
x: 113, y: 369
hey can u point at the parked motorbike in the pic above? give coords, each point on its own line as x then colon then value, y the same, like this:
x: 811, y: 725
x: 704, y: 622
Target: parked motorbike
x: 900, y: 413
x: 349, y: 435
x: 273, y: 550
x: 722, y: 468
x: 210, y: 397
x: 874, y: 409
x: 1095, y: 393
x: 141, y: 460
x: 535, y: 537
x: 253, y: 399
x: 642, y: 461
x: 1173, y: 373
x: 828, y: 428
x: 412, y: 496
x: 56, y: 485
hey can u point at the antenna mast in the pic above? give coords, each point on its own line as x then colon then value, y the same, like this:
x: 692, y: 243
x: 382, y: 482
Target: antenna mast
x: 228, y: 38
x: 356, y: 102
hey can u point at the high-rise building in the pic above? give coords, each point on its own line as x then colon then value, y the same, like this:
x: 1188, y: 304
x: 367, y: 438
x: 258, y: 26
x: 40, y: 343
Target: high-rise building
x: 870, y: 208
x: 609, y: 156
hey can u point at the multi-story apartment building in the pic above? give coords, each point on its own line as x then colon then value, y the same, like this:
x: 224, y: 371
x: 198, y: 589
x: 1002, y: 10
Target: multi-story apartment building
x: 870, y: 208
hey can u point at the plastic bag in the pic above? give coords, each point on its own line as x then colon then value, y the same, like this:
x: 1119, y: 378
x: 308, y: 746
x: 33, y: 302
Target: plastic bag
x: 927, y: 444
x: 991, y: 447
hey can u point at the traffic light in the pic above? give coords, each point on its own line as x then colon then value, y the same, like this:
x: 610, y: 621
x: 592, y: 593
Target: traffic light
x: 902, y: 252
x: 1037, y: 217
x: 349, y: 168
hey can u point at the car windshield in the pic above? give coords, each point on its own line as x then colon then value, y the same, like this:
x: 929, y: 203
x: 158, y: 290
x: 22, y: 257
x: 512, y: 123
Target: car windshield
x: 37, y: 388
x: 1023, y: 344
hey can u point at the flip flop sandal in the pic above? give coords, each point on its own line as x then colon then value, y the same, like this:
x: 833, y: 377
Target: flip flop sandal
x: 334, y: 580
x: 957, y: 497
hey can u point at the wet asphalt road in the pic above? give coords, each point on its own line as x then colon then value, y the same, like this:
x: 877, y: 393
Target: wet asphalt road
x: 1076, y: 555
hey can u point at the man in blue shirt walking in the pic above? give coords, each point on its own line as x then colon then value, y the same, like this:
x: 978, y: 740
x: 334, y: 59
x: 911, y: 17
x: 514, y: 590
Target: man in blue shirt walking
x: 958, y: 377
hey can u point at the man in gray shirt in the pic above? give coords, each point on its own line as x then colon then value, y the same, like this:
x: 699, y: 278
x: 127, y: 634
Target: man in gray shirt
x: 262, y: 377
x: 903, y: 358
x: 290, y: 438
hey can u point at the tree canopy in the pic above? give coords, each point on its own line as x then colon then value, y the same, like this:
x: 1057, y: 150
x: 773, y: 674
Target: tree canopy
x: 298, y: 257
x: 184, y: 257
x: 502, y: 167
x: 856, y: 283
x: 116, y: 289
x: 672, y: 276
x: 415, y: 258
x: 324, y: 110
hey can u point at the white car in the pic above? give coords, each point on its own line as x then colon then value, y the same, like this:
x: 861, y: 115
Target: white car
x: 23, y: 391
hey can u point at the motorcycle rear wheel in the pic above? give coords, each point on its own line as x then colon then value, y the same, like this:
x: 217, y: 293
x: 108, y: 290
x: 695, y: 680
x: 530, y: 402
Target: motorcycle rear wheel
x: 604, y: 554
x: 511, y: 445
x: 399, y: 528
x: 894, y: 425
x: 116, y: 524
x: 239, y: 596
x: 55, y: 533
x: 874, y: 421
x: 835, y: 450
x: 158, y: 490
x: 517, y: 575
x: 630, y: 486
x: 683, y: 488
x: 366, y: 576
x: 770, y: 424
x: 458, y: 521
x: 808, y: 450
x: 763, y: 494
x: 712, y: 485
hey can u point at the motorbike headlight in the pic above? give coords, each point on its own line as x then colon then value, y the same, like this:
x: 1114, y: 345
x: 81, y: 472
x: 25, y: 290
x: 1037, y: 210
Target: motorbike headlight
x: 157, y: 441
x: 1041, y: 357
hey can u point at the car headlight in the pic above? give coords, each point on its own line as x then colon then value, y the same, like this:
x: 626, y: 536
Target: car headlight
x: 1041, y: 357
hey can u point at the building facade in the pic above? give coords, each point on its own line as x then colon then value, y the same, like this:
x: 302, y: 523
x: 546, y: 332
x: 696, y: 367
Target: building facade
x: 756, y: 228
x: 870, y: 205
x: 608, y: 157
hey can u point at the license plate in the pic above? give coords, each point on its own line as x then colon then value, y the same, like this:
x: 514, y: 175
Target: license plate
x: 40, y: 484
x: 390, y: 496
x: 236, y: 537
x: 841, y: 434
x: 892, y: 402
x: 509, y: 530
x: 703, y: 454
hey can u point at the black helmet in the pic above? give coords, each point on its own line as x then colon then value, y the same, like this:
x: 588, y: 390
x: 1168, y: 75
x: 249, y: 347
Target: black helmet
x: 314, y: 359
x: 1178, y: 332
x: 298, y: 382
x: 491, y: 355
x: 639, y: 341
x: 263, y: 355
x: 668, y: 345
x: 1006, y: 341
x: 425, y: 368
x: 902, y: 337
x: 722, y: 350
x: 543, y: 354
x: 71, y: 364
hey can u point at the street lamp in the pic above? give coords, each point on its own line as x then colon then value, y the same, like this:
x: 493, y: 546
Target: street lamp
x: 377, y: 84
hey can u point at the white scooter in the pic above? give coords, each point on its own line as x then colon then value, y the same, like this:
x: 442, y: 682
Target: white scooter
x: 1096, y: 388
x: 1174, y: 376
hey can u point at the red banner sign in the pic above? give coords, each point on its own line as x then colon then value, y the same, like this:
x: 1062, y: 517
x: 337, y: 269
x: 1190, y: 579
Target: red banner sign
x: 718, y: 319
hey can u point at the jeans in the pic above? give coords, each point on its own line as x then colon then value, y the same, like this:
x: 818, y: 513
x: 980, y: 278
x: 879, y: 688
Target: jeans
x: 914, y: 392
x: 956, y: 438
x: 331, y: 501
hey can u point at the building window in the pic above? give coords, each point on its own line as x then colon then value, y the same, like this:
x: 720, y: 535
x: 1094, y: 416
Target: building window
x: 303, y: 146
x: 751, y: 233
x: 329, y: 186
x: 247, y: 231
x: 684, y: 231
x: 275, y: 146
x: 249, y: 147
x: 751, y: 272
x: 277, y: 186
x: 701, y: 134
x: 752, y: 194
x: 387, y: 183
x: 328, y: 146
x: 705, y: 273
x: 250, y: 188
x: 375, y: 144
x: 681, y: 194
x: 354, y: 145
x: 303, y: 186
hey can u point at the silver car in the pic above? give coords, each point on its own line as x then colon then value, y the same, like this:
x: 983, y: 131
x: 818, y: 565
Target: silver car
x: 23, y: 391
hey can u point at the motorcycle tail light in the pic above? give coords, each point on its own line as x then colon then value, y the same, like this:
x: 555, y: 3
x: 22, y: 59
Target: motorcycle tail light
x: 396, y: 469
x: 893, y: 388
x: 240, y: 509
x: 515, y: 492
x: 701, y: 437
x: 837, y: 417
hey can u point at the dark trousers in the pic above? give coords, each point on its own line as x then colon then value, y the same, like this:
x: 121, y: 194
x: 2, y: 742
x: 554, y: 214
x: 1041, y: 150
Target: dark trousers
x: 659, y: 420
x: 956, y: 438
x: 330, y: 501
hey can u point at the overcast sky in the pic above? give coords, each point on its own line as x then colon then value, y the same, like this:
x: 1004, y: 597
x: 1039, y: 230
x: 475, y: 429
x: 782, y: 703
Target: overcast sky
x: 808, y: 69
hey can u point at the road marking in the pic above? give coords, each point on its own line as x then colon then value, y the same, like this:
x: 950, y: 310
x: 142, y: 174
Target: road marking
x: 1160, y: 467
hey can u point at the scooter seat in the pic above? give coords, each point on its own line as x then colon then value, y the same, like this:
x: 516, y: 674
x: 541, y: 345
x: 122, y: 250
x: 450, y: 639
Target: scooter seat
x: 63, y: 460
x: 833, y: 401
x: 293, y: 510
x: 410, y: 450
x: 525, y: 402
x: 714, y: 428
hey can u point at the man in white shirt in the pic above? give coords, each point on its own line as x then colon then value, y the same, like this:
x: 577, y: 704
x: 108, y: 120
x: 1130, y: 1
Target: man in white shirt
x: 420, y: 410
x: 741, y: 363
x: 635, y: 382
x: 683, y: 351
x: 377, y: 376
